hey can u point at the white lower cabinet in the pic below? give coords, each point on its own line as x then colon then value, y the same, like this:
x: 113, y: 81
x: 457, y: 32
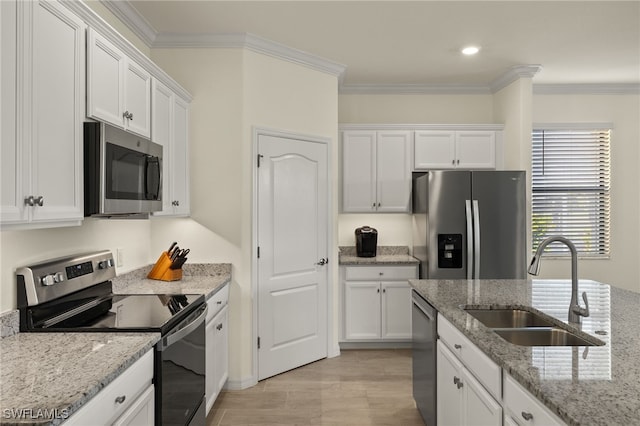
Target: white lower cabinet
x: 521, y: 408
x: 217, y: 345
x: 377, y: 303
x: 128, y: 400
x: 473, y: 390
x: 462, y: 400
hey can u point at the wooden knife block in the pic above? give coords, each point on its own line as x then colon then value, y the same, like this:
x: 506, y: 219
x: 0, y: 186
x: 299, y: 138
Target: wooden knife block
x: 161, y: 270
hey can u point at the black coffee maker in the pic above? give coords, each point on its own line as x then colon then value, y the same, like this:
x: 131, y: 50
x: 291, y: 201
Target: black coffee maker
x: 366, y: 241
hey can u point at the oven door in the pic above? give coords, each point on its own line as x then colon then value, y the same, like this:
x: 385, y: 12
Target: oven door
x: 180, y: 373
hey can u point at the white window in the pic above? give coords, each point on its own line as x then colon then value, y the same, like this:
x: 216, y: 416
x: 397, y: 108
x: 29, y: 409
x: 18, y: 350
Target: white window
x: 571, y: 184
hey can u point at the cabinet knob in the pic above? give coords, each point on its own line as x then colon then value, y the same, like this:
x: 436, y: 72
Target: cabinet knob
x: 458, y: 161
x: 527, y: 416
x: 131, y: 116
x: 40, y: 201
x: 457, y: 346
x: 453, y: 162
x: 219, y: 327
x: 373, y: 206
x: 30, y: 201
x: 120, y: 399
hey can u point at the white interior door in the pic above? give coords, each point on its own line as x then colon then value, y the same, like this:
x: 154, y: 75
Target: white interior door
x: 292, y: 241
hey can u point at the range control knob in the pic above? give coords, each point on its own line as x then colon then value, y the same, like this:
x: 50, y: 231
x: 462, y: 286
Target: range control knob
x: 58, y: 277
x: 105, y: 264
x: 48, y: 280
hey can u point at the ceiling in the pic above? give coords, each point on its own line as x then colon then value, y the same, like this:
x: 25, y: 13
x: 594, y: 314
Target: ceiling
x: 418, y: 42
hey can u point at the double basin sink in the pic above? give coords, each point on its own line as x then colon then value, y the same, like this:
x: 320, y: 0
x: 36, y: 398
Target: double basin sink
x: 527, y: 328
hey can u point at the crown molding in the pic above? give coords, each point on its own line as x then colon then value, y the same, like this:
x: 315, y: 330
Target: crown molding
x: 587, y: 89
x: 253, y: 43
x: 429, y: 89
x: 420, y: 126
x: 512, y: 74
x: 130, y: 17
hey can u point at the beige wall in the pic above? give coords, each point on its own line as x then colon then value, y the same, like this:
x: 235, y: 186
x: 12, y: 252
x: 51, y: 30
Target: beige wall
x: 622, y: 270
x: 234, y: 91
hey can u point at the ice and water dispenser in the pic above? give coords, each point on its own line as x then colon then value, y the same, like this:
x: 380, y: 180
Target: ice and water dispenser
x: 449, y: 250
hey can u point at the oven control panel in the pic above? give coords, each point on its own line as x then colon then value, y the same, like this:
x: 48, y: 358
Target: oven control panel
x: 54, y: 278
x: 79, y: 270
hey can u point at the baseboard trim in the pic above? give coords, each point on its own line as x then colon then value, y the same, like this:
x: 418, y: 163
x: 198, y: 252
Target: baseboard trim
x: 375, y: 345
x: 240, y: 384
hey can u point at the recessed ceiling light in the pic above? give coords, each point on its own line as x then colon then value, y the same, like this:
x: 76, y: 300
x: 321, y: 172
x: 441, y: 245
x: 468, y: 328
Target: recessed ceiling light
x: 470, y: 50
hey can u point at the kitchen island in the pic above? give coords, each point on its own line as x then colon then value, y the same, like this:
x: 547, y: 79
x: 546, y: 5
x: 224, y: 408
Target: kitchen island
x: 595, y: 385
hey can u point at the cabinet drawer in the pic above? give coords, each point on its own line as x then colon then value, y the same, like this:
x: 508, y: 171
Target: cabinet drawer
x: 480, y: 365
x: 217, y: 302
x: 104, y: 408
x: 380, y: 273
x: 524, y: 408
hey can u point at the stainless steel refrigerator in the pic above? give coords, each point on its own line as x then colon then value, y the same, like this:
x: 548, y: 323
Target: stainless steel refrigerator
x: 470, y: 224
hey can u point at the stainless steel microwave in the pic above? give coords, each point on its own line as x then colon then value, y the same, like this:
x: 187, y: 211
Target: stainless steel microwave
x: 122, y: 173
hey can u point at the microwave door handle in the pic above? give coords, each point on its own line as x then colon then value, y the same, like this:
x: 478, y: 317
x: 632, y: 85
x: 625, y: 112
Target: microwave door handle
x: 149, y: 160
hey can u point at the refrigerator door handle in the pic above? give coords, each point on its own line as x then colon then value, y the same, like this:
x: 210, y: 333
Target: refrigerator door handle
x: 470, y: 242
x: 476, y: 239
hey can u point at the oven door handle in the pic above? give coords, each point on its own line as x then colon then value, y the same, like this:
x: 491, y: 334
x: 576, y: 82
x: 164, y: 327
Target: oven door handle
x: 181, y: 333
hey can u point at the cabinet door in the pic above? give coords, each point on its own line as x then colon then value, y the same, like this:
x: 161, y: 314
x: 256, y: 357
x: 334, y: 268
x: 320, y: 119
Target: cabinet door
x: 141, y: 412
x: 396, y: 310
x: 449, y: 392
x: 161, y: 132
x: 358, y: 171
x: 210, y: 353
x: 179, y: 169
x: 476, y: 149
x: 105, y: 83
x: 137, y: 99
x: 362, y: 310
x: 393, y: 171
x: 12, y: 208
x: 434, y: 149
x: 479, y: 406
x: 221, y: 349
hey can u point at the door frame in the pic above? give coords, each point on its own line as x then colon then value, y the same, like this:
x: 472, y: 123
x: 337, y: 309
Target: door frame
x: 332, y: 350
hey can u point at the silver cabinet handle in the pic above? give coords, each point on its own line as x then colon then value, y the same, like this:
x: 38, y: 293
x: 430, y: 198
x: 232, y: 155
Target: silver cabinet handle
x: 453, y: 162
x: 40, y: 201
x: 527, y: 416
x: 373, y: 206
x: 30, y: 200
x: 131, y: 116
x: 323, y: 261
x: 125, y: 114
x: 456, y: 380
x: 120, y: 399
x: 379, y: 204
x: 457, y: 346
x: 219, y: 327
x: 457, y: 161
x: 459, y: 384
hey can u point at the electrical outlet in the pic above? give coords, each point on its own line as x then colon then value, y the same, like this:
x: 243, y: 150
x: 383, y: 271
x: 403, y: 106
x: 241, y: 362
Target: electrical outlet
x: 119, y: 257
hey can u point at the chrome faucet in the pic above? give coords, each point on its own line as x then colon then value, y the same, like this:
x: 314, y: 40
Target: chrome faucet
x: 575, y: 310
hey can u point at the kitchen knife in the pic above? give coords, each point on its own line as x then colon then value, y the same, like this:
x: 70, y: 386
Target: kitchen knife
x: 178, y: 263
x: 175, y: 254
x: 171, y: 247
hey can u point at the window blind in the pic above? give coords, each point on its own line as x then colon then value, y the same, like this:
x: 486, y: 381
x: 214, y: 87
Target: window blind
x: 571, y: 185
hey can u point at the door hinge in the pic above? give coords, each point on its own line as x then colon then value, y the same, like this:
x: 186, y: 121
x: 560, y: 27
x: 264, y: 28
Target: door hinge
x: 258, y: 252
x: 259, y: 157
x: 258, y: 343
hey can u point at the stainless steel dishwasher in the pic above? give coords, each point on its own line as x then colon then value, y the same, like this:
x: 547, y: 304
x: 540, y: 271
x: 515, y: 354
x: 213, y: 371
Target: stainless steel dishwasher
x: 424, y: 339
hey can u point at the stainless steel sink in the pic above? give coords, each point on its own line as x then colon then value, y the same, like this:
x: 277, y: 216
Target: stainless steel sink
x: 509, y: 318
x: 542, y: 336
x: 526, y: 328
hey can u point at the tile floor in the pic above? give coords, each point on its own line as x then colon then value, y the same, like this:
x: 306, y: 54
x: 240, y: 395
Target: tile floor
x: 360, y: 387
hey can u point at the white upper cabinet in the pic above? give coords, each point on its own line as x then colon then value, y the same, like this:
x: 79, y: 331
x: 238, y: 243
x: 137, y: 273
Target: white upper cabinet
x: 376, y: 171
x: 454, y: 149
x: 118, y: 89
x: 170, y: 122
x: 42, y: 160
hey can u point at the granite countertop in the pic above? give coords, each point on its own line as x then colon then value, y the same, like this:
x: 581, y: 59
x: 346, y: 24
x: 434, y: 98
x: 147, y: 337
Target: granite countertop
x: 386, y: 255
x: 60, y: 372
x: 201, y: 278
x: 596, y: 385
